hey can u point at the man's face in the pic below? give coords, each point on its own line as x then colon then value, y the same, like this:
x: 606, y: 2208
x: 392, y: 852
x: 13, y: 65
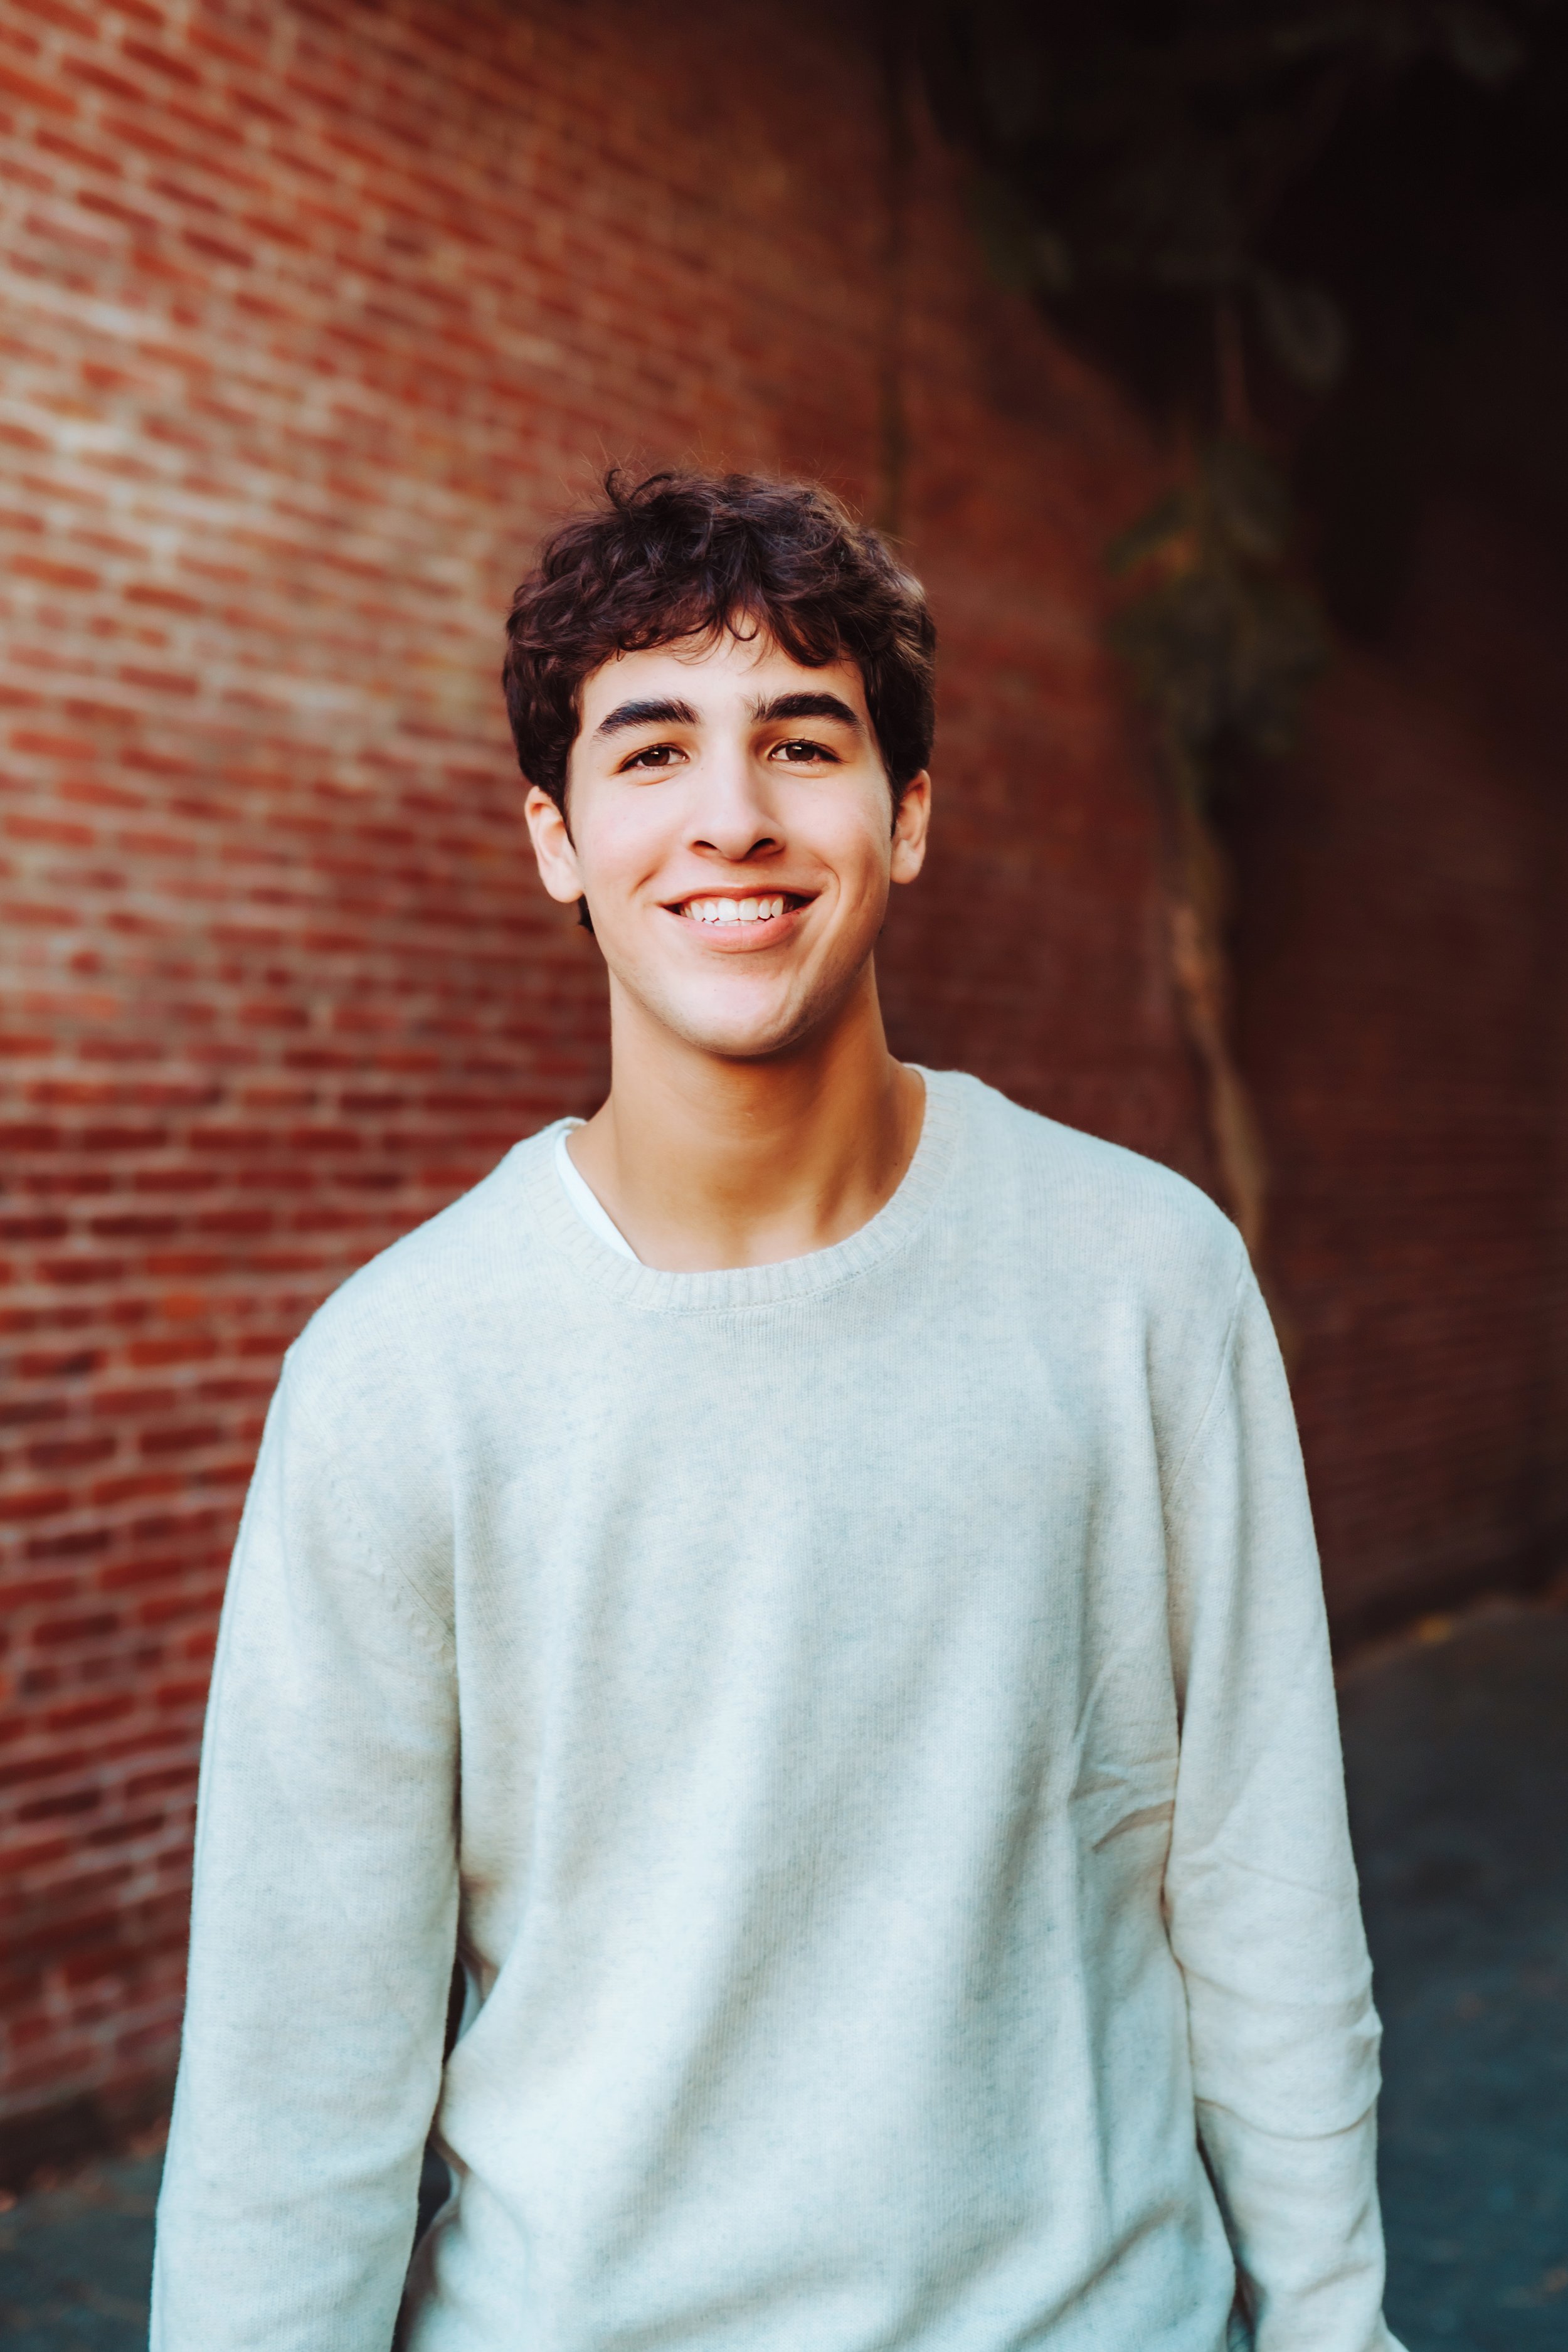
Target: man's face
x: 733, y: 831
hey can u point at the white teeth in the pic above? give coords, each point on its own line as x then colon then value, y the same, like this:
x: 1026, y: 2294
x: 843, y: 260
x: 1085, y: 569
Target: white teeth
x: 730, y: 910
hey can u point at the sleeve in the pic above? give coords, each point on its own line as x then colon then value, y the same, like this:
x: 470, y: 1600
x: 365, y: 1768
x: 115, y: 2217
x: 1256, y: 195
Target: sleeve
x: 324, y: 1911
x: 1262, y: 1905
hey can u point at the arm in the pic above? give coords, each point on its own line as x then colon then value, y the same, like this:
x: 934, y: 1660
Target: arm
x: 325, y: 1903
x: 1261, y: 1896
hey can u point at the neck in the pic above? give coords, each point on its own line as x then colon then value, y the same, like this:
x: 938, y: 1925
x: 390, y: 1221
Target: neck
x: 706, y: 1162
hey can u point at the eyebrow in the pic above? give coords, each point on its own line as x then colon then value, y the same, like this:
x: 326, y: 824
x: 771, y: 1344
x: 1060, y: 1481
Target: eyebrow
x: 806, y: 705
x: 664, y: 712
x: 646, y: 714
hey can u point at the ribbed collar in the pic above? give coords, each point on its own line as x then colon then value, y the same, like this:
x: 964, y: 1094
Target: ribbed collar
x: 653, y: 1290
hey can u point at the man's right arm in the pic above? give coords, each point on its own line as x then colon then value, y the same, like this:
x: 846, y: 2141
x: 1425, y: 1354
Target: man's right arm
x: 325, y: 1902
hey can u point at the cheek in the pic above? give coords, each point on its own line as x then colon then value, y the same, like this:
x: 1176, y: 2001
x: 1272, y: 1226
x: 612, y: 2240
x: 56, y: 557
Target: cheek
x: 624, y: 839
x: 860, y: 850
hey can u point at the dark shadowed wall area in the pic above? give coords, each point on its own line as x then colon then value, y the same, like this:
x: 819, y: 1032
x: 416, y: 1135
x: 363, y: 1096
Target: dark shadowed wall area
x: 311, y: 314
x: 1403, y: 959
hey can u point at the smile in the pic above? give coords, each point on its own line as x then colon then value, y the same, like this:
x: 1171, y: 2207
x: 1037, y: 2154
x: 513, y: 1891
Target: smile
x: 737, y: 910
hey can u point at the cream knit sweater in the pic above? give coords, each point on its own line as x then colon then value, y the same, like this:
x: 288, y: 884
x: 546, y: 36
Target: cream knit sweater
x: 865, y: 1725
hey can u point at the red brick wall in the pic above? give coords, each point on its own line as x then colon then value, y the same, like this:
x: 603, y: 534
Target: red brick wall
x: 312, y: 315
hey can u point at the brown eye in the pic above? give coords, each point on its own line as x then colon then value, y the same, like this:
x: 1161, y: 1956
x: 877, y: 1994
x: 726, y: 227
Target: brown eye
x: 655, y: 755
x: 798, y: 750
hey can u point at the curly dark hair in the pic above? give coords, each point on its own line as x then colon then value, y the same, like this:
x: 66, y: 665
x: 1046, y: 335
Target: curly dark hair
x: 688, y: 555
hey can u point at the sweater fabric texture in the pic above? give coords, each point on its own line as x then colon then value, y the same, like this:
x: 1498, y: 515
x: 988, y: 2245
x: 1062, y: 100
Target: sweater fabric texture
x: 864, y: 1724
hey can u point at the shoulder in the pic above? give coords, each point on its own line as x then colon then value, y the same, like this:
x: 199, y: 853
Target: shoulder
x: 1134, y: 1273
x: 399, y: 1323
x: 1107, y: 1215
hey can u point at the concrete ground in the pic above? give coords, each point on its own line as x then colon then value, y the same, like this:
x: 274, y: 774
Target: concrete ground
x: 1457, y: 1753
x: 75, y: 2262
x: 1457, y: 1749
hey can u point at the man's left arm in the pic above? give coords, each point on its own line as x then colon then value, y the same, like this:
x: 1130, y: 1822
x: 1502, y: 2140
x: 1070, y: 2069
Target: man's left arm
x: 1261, y: 1900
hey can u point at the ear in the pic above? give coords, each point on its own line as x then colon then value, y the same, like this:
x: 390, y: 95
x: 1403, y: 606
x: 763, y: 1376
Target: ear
x: 553, y: 848
x: 910, y: 827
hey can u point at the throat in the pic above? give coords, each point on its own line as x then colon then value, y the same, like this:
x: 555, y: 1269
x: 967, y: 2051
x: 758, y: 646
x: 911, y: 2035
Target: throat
x: 753, y: 1175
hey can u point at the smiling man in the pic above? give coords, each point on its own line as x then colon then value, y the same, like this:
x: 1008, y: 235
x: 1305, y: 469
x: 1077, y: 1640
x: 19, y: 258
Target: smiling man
x: 802, y: 1587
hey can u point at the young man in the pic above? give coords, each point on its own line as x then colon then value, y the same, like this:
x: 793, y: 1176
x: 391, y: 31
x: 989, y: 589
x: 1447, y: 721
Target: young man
x: 803, y: 1584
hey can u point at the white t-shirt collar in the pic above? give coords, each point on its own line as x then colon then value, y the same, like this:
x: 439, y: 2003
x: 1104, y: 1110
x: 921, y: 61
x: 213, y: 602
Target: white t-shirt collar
x: 586, y: 1201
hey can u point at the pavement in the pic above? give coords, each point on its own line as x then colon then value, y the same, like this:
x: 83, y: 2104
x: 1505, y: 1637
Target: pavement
x: 1456, y: 1756
x: 76, y: 2261
x: 1457, y: 1753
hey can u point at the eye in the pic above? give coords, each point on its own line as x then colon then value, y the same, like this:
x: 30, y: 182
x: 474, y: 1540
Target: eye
x: 801, y: 752
x: 652, y: 755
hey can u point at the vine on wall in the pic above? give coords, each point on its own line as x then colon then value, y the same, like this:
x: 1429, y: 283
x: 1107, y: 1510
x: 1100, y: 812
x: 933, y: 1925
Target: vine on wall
x: 1139, y: 169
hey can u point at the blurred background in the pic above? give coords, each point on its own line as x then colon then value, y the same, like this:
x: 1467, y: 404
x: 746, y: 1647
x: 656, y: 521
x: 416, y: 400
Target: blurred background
x: 1209, y: 361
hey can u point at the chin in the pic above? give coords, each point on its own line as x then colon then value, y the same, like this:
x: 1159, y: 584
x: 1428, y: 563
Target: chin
x: 744, y: 1040
x: 745, y: 1032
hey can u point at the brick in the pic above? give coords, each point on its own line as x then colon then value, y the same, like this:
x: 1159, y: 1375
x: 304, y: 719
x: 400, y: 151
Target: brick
x: 33, y: 1503
x: 55, y: 13
x: 28, y: 90
x: 55, y: 1808
x: 163, y: 61
x: 94, y: 1626
x: 69, y: 1543
x: 69, y: 1454
x: 27, y: 1411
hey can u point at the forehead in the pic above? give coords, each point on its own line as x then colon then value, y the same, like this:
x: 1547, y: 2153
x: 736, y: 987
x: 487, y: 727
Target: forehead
x: 720, y: 678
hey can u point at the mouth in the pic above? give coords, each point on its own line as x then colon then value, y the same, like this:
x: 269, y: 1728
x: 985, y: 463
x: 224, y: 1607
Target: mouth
x: 762, y: 912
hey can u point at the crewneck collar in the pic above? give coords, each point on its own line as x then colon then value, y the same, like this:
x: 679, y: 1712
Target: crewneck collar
x: 653, y: 1289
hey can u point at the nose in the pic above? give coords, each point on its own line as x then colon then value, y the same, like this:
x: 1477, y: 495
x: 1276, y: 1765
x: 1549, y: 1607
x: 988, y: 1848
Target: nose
x: 733, y: 816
